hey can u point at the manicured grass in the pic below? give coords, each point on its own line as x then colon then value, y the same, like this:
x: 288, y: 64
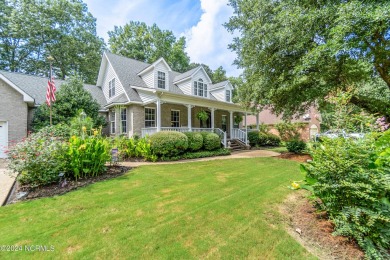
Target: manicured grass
x: 281, y: 149
x: 216, y: 209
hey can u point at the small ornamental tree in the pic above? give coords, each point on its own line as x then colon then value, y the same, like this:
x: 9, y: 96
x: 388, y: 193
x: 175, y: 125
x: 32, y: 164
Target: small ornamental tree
x: 71, y: 98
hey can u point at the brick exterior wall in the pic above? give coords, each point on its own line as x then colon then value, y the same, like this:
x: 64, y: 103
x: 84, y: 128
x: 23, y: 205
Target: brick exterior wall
x: 13, y: 110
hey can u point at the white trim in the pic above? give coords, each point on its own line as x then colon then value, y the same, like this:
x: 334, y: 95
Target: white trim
x: 153, y: 65
x: 26, y: 97
x: 191, y: 75
x: 116, y: 75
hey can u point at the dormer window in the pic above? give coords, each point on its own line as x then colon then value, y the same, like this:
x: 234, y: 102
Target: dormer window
x: 200, y: 89
x: 227, y: 95
x: 111, y: 88
x: 161, y: 79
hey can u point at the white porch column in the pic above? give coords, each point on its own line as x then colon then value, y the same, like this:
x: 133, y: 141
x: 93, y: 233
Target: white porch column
x: 257, y: 121
x: 231, y: 123
x: 189, y: 117
x: 212, y: 117
x: 158, y: 115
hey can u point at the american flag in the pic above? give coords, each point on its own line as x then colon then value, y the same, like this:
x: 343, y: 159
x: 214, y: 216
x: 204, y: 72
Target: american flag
x: 51, y: 90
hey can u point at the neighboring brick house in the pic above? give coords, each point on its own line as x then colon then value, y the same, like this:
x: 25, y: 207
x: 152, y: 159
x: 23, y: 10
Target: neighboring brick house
x: 311, y: 119
x: 20, y: 95
x: 137, y: 98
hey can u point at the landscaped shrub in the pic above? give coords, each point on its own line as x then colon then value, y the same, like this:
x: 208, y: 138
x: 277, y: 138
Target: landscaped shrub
x: 253, y: 138
x: 87, y: 156
x: 273, y: 140
x: 289, y: 131
x: 295, y: 146
x: 211, y: 141
x: 199, y: 154
x: 351, y: 177
x: 268, y: 140
x: 195, y: 140
x: 168, y: 143
x: 39, y: 158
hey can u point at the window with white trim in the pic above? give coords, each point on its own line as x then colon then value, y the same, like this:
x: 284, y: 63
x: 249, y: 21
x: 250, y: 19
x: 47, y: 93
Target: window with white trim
x: 200, y: 89
x: 111, y: 88
x: 227, y: 95
x: 112, y: 121
x: 161, y: 79
x: 124, y: 120
x: 150, y: 117
x: 175, y: 118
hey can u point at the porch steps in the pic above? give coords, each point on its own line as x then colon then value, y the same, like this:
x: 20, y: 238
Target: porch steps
x: 235, y: 145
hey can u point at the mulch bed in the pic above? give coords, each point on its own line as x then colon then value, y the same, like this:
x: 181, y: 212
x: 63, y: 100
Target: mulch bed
x: 314, y: 231
x: 56, y: 189
x: 294, y: 157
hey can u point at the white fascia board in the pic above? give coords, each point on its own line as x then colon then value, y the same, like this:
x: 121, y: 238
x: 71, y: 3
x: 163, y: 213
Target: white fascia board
x: 145, y: 70
x: 102, y: 69
x: 116, y: 76
x: 201, y: 67
x: 198, y: 101
x: 26, y: 97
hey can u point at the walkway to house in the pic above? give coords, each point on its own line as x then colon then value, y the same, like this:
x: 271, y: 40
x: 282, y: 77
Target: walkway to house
x: 6, y: 181
x: 234, y: 155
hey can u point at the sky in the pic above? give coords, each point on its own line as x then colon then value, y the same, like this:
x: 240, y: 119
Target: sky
x: 200, y: 21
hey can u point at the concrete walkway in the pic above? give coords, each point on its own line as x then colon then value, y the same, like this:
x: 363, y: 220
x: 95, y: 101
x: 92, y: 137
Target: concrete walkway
x: 234, y: 155
x: 7, y: 179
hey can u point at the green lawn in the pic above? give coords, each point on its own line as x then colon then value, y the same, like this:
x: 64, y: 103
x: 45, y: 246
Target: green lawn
x: 215, y: 209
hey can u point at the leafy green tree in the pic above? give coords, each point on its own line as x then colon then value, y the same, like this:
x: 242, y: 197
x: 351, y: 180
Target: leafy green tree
x: 296, y: 52
x: 71, y: 98
x: 148, y: 43
x: 30, y: 31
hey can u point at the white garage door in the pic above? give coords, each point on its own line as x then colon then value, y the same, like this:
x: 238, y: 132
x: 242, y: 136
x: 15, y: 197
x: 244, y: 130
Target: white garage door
x: 3, y: 138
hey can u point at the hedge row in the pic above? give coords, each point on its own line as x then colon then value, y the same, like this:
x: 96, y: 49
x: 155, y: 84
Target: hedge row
x: 167, y: 144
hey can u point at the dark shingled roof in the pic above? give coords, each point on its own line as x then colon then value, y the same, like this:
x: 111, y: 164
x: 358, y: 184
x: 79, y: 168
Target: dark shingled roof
x: 35, y: 86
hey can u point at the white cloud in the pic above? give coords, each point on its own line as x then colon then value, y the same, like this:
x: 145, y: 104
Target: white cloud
x: 207, y: 41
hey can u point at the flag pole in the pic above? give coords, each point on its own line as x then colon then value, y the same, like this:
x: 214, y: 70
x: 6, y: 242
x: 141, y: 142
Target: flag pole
x: 50, y: 94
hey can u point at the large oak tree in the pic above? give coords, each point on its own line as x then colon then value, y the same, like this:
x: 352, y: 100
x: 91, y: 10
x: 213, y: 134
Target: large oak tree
x: 295, y: 52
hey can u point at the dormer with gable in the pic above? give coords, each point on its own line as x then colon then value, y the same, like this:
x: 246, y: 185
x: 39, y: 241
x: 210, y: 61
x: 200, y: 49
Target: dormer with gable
x: 156, y: 75
x: 194, y: 82
x: 222, y: 91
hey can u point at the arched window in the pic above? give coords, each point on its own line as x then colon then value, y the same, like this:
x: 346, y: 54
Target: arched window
x: 200, y: 89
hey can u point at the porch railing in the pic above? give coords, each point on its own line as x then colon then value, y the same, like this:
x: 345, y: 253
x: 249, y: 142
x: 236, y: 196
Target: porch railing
x: 222, y: 136
x: 148, y: 131
x: 239, y: 134
x: 194, y: 129
x: 177, y: 129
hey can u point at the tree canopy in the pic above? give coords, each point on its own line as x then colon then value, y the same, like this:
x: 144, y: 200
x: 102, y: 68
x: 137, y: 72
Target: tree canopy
x: 30, y: 31
x: 71, y: 98
x: 148, y: 43
x: 294, y: 53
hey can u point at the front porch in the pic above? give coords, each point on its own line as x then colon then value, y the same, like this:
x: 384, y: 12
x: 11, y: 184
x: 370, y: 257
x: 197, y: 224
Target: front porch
x: 163, y: 116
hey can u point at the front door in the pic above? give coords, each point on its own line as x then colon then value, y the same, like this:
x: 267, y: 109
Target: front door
x: 224, y: 123
x: 3, y: 139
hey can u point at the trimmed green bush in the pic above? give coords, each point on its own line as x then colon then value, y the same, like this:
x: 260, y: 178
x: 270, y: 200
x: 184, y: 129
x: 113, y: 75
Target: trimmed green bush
x: 195, y: 140
x: 296, y: 146
x: 199, y: 154
x: 168, y: 143
x: 253, y: 138
x: 273, y: 140
x: 211, y: 142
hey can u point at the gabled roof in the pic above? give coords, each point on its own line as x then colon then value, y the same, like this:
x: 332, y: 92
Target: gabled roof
x: 186, y: 74
x: 154, y: 65
x: 219, y: 84
x: 35, y: 86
